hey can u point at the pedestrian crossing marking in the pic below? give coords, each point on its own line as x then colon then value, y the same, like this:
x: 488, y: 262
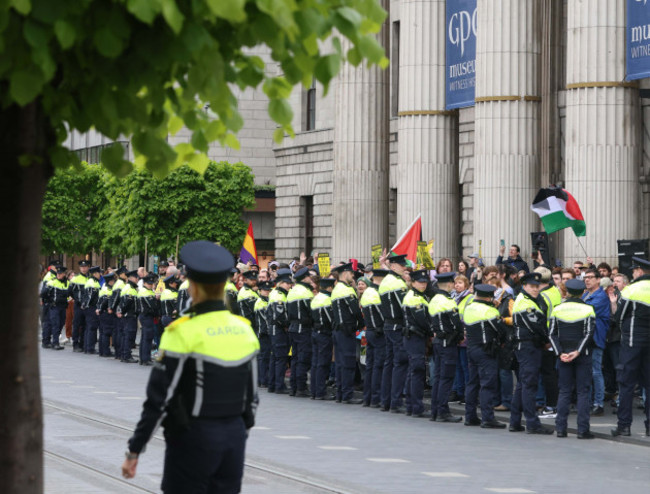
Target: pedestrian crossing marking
x: 509, y: 490
x: 338, y: 448
x: 105, y: 392
x: 387, y: 460
x: 293, y: 437
x: 447, y: 475
x: 129, y: 397
x: 262, y: 428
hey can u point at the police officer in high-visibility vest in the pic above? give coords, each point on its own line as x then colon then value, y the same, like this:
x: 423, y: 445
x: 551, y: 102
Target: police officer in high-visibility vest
x: 375, y: 341
x: 392, y: 291
x: 107, y: 320
x: 530, y: 338
x: 148, y: 310
x: 169, y: 300
x: 128, y: 313
x: 77, y: 288
x: 113, y: 306
x: 203, y: 385
x: 46, y: 331
x: 55, y: 298
x: 248, y: 296
x: 232, y: 292
x: 89, y: 301
x: 552, y: 298
x: 571, y: 330
x: 300, y: 326
x: 347, y: 317
x: 448, y: 328
x: 485, y: 334
x: 266, y: 370
x: 278, y: 321
x: 417, y: 331
x: 633, y: 316
x: 321, y: 314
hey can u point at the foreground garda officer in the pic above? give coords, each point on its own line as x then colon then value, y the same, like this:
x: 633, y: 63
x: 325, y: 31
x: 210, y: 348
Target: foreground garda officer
x: 392, y: 291
x: 265, y: 367
x: 572, y: 326
x: 347, y: 317
x: 448, y: 329
x: 55, y: 298
x: 278, y: 321
x: 375, y: 340
x: 416, y: 332
x: 77, y: 288
x: 202, y: 384
x: 300, y: 325
x: 530, y: 340
x: 106, y: 319
x: 485, y: 333
x: 321, y: 314
x: 633, y: 316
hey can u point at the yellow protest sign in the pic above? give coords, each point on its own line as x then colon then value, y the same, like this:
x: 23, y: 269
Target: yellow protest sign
x: 324, y: 265
x: 376, y: 255
x: 424, y: 259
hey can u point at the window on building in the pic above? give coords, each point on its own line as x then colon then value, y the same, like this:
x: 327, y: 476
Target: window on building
x: 310, y: 107
x: 394, y: 71
x: 307, y: 217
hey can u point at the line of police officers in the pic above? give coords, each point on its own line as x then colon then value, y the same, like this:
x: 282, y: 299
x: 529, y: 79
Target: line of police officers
x: 399, y: 321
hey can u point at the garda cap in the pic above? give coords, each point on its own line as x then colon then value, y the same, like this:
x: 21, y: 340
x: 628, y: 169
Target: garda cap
x: 83, y: 262
x: 301, y: 274
x: 446, y: 277
x: 485, y: 290
x: 344, y: 267
x: 121, y: 270
x: 132, y: 274
x: 109, y: 276
x: 171, y: 279
x: 420, y: 275
x: 379, y: 273
x: 95, y: 269
x: 60, y: 269
x: 266, y: 286
x: 531, y: 278
x: 326, y: 283
x: 575, y: 287
x: 400, y: 259
x: 206, y: 262
x: 284, y: 274
x: 163, y: 264
x: 639, y: 262
x: 150, y: 278
x: 250, y: 275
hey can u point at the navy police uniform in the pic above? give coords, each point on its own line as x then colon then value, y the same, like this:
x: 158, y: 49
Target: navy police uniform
x: 278, y: 321
x: 77, y: 288
x: 106, y: 319
x: 300, y: 326
x: 321, y: 314
x: 203, y: 388
x: 89, y: 299
x: 55, y: 297
x: 128, y: 312
x: 261, y: 326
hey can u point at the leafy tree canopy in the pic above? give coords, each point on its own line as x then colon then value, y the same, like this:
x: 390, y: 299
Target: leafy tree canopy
x: 93, y: 210
x: 144, y: 68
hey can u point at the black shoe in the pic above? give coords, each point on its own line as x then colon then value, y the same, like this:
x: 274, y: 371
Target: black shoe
x: 78, y: 350
x: 461, y: 401
x: 292, y: 393
x: 409, y: 413
x: 375, y: 405
x: 270, y: 390
x: 620, y: 431
x: 384, y: 409
x: 585, y: 435
x: 130, y: 360
x: 449, y: 418
x: 647, y: 432
x: 262, y: 386
x: 47, y: 345
x: 472, y: 422
x: 597, y: 411
x: 493, y: 424
x: 57, y: 347
x: 302, y: 394
x: 541, y: 431
x: 353, y: 401
x: 516, y: 428
x: 148, y: 363
x: 560, y: 433
x: 453, y: 396
x: 325, y: 398
x: 365, y: 404
x: 281, y: 392
x: 418, y: 415
x: 398, y: 410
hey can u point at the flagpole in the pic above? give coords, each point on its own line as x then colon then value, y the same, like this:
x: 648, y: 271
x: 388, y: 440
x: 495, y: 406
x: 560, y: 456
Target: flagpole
x: 583, y: 247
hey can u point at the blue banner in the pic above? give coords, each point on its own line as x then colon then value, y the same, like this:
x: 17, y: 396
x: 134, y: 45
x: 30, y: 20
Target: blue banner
x: 461, y: 53
x: 638, y: 40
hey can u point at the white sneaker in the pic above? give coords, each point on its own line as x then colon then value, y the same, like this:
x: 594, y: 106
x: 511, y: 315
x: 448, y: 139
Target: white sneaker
x: 63, y: 339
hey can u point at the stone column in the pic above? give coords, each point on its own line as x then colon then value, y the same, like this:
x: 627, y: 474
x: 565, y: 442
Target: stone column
x: 603, y: 141
x: 427, y: 178
x: 360, y: 176
x: 507, y: 123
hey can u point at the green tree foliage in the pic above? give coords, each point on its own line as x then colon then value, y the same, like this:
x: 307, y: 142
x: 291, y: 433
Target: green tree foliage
x: 92, y: 210
x: 144, y: 68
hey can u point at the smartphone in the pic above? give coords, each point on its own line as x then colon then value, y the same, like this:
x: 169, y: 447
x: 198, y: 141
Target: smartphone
x: 502, y: 243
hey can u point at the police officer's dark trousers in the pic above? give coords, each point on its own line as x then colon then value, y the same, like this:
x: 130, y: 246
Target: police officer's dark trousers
x: 92, y: 325
x: 323, y: 359
x: 346, y: 360
x: 78, y: 326
x: 128, y: 338
x: 444, y: 361
x: 57, y: 321
x: 393, y: 381
x: 280, y: 341
x: 483, y: 379
x: 263, y: 359
x: 301, y: 359
x: 376, y: 347
x: 118, y: 335
x: 46, y: 325
x: 208, y: 458
x: 147, y: 328
x: 633, y: 367
x: 575, y: 374
x: 529, y: 358
x: 106, y: 330
x: 415, y: 349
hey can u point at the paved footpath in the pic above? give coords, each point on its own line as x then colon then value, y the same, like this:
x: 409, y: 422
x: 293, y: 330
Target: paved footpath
x: 332, y: 447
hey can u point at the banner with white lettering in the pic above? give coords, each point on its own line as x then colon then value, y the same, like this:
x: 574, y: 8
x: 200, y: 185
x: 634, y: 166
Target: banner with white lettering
x: 638, y: 39
x: 461, y: 53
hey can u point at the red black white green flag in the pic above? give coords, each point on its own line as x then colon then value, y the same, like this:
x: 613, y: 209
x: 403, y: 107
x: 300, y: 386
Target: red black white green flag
x: 558, y: 209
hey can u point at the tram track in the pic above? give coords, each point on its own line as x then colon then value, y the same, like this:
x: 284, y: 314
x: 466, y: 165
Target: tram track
x: 93, y: 418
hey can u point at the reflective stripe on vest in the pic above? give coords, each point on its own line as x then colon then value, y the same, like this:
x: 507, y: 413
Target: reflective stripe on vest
x: 299, y: 292
x: 276, y: 296
x: 341, y: 290
x: 440, y: 304
x: 392, y: 283
x: 370, y: 297
x: 476, y: 313
x: 573, y: 311
x: 246, y: 293
x: 523, y: 303
x: 413, y: 299
x: 321, y: 300
x: 168, y: 294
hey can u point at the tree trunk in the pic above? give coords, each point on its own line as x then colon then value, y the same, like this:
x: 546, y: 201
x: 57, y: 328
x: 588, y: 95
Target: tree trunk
x: 23, y: 131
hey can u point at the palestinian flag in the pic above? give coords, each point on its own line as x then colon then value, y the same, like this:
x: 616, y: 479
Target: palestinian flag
x: 558, y: 210
x: 408, y: 242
